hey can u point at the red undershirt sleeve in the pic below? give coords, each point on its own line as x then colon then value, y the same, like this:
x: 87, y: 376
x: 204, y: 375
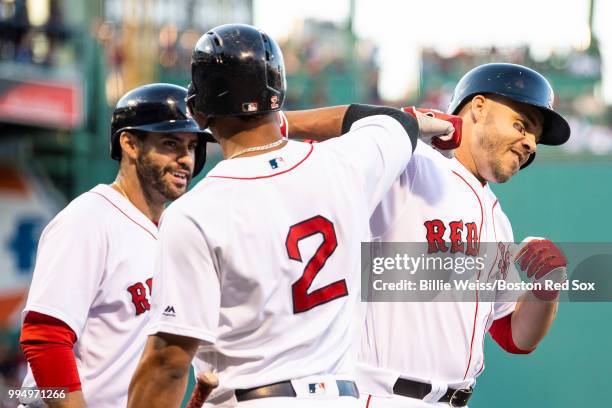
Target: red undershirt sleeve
x: 501, y: 331
x: 47, y: 343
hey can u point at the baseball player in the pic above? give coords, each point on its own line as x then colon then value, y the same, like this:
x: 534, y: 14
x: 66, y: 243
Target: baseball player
x: 259, y: 262
x: 429, y: 354
x: 90, y: 295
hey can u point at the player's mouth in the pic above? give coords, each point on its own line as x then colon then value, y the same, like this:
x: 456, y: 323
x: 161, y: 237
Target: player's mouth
x: 522, y: 158
x: 180, y: 177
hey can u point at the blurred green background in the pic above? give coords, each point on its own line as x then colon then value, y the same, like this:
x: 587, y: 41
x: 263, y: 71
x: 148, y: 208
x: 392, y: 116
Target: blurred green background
x: 566, y: 201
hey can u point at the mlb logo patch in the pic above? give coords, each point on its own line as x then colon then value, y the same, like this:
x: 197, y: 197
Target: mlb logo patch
x: 250, y: 107
x: 316, y: 388
x: 277, y: 163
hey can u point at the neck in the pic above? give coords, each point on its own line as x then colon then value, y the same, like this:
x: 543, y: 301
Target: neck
x: 128, y: 185
x: 235, y: 135
x: 463, y: 153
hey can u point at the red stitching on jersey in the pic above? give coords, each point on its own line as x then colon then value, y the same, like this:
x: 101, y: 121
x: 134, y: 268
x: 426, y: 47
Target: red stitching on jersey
x: 493, y: 217
x: 122, y: 212
x: 484, y: 334
x: 479, y: 202
x: 473, y: 332
x: 478, y: 277
x: 268, y: 176
x: 368, y: 401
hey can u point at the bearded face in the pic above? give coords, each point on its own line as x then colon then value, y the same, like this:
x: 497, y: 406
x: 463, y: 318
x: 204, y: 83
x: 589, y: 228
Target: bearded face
x: 165, y: 180
x: 165, y: 164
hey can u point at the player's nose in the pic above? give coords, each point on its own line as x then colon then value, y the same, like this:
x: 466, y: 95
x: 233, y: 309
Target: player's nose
x: 186, y: 157
x: 529, y: 143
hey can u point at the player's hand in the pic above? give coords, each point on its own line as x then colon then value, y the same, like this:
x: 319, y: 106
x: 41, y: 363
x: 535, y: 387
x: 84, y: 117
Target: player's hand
x: 439, y: 130
x: 205, y: 383
x: 542, y: 261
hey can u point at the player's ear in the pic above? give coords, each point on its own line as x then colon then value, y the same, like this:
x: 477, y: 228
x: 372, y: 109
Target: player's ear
x: 130, y: 145
x: 478, y: 108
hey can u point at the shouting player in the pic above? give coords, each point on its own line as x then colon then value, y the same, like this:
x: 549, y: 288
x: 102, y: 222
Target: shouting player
x: 419, y: 354
x: 259, y: 263
x: 89, y: 299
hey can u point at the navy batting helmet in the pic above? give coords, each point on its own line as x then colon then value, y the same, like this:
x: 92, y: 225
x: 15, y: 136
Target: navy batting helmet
x: 520, y: 84
x: 236, y: 69
x: 156, y: 108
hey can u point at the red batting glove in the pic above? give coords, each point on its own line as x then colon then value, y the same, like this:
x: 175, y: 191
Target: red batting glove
x: 542, y: 261
x: 446, y: 141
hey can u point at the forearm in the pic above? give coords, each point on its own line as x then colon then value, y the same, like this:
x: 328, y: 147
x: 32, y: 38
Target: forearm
x: 73, y: 399
x: 154, y: 386
x: 161, y: 376
x: 316, y: 124
x: 531, y: 320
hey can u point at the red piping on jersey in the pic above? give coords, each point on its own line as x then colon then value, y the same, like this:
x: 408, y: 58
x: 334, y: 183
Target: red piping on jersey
x: 484, y: 334
x: 488, y: 316
x: 493, y: 218
x: 122, y: 212
x: 478, y: 277
x: 473, y: 332
x: 479, y: 202
x: 368, y: 401
x: 268, y: 176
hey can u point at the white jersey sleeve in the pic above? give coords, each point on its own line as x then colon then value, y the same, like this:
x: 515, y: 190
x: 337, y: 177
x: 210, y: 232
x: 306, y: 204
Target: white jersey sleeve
x: 185, y: 273
x: 69, y: 266
x: 379, y: 154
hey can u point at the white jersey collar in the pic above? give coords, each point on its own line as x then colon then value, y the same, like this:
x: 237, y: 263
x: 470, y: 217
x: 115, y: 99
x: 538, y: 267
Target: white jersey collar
x: 125, y: 206
x: 452, y: 165
x: 467, y: 175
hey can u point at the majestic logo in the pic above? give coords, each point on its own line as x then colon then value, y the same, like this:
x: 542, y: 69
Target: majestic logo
x: 169, y: 311
x: 139, y: 296
x: 436, y: 229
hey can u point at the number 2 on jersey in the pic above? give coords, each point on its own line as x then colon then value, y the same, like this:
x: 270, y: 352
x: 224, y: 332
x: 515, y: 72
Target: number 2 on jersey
x: 302, y: 300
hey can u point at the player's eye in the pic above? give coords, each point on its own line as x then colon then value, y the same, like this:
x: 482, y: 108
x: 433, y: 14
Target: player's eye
x: 192, y: 146
x: 519, y: 127
x: 170, y: 143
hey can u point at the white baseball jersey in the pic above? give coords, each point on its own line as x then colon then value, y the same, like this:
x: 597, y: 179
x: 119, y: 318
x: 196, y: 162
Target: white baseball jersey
x: 261, y: 261
x: 435, y: 200
x: 94, y: 272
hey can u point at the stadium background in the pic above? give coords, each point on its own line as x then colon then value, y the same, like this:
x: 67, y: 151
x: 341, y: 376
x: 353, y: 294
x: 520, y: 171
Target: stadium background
x: 63, y: 64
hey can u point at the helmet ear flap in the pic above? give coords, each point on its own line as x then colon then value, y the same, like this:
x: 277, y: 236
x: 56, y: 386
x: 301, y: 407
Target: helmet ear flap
x: 200, y: 153
x: 190, y: 99
x: 115, y: 148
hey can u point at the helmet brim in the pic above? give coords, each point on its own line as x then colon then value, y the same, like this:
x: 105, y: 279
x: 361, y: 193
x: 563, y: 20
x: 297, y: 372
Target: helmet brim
x: 169, y: 126
x: 556, y: 129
